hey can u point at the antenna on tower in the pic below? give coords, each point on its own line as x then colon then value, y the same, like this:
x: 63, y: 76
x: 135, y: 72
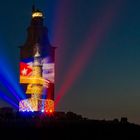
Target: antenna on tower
x: 33, y: 7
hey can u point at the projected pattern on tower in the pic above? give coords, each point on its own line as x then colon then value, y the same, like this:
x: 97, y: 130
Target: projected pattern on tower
x: 37, y: 67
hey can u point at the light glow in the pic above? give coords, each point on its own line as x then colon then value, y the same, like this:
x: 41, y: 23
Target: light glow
x: 37, y: 14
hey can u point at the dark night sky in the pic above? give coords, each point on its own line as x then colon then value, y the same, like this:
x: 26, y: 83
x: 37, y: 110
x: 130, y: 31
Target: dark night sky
x: 107, y: 86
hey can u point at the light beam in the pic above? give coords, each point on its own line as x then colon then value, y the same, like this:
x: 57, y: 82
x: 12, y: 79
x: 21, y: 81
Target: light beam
x: 88, y: 48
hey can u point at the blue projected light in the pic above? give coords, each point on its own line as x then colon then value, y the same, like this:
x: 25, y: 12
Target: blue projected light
x: 7, y: 75
x: 6, y: 84
x: 8, y: 78
x: 8, y: 100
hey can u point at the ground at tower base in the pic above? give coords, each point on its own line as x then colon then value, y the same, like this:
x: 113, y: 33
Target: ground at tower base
x: 63, y: 124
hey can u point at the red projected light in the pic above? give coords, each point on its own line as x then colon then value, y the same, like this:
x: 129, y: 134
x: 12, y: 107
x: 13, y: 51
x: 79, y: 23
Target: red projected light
x: 88, y: 48
x: 51, y: 111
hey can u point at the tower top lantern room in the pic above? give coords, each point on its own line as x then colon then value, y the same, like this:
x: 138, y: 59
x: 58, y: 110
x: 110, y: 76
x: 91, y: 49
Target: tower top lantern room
x: 37, y: 14
x: 37, y: 81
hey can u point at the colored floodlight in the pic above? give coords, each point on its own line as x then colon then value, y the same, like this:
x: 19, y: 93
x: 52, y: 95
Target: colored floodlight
x: 8, y: 99
x: 51, y: 111
x: 87, y: 49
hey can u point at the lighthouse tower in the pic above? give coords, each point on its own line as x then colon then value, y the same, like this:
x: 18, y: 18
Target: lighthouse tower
x: 37, y: 67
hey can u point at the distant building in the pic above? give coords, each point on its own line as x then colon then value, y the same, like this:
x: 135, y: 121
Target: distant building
x: 124, y: 120
x: 6, y: 112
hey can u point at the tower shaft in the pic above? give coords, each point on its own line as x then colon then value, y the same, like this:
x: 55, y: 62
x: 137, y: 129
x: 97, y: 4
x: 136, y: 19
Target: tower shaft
x: 38, y: 55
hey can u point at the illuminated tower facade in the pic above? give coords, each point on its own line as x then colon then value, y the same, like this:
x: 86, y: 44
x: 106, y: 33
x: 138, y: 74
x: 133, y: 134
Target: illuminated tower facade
x: 37, y: 67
